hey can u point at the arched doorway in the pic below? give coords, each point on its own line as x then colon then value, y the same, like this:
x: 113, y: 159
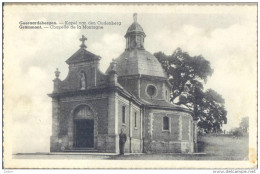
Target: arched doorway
x: 83, y: 127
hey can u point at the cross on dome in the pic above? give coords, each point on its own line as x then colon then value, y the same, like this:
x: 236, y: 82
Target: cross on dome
x: 83, y: 39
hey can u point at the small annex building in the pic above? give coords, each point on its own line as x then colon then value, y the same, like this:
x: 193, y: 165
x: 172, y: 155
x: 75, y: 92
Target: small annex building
x: 89, y: 108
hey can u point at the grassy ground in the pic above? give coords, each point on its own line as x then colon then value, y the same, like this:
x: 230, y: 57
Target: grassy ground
x: 211, y: 148
x: 225, y: 147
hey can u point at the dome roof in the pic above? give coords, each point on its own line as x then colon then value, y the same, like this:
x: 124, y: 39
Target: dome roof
x: 137, y: 62
x: 135, y: 28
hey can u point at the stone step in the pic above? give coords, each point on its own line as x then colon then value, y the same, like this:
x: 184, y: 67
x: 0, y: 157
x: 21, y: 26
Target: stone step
x: 88, y: 150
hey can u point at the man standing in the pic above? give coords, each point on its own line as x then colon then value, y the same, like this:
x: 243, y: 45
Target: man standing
x: 122, y: 140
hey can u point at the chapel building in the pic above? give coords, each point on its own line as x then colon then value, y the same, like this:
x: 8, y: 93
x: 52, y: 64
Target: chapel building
x: 89, y: 108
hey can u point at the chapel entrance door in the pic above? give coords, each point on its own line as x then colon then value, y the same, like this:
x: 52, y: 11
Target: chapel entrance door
x: 84, y: 133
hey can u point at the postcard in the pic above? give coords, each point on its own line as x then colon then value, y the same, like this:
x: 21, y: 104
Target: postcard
x: 130, y: 85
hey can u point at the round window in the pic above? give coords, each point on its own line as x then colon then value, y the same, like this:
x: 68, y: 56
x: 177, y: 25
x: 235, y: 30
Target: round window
x: 151, y: 90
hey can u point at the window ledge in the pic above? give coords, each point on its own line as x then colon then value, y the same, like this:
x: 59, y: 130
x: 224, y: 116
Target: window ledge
x: 166, y: 131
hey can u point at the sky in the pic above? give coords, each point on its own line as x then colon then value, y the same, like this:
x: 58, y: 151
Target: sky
x: 224, y: 35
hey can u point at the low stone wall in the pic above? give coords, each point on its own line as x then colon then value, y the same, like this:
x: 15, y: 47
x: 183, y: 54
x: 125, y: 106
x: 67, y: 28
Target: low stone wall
x: 168, y: 147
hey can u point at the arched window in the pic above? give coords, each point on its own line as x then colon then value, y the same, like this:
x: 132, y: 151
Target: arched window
x: 123, y: 114
x: 135, y: 119
x: 83, y: 112
x: 166, y: 125
x: 166, y: 95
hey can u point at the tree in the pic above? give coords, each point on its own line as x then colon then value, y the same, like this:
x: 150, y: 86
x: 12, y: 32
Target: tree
x: 237, y: 132
x: 184, y: 71
x: 244, y: 124
x: 212, y: 109
x: 188, y: 75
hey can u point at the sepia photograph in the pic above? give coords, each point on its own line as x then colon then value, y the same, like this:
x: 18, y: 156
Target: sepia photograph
x: 130, y: 86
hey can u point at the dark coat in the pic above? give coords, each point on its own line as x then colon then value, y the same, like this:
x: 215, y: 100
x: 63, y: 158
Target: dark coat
x: 122, y: 138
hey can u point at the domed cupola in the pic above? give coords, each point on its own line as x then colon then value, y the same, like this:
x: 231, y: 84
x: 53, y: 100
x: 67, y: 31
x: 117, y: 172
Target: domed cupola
x: 135, y: 60
x: 135, y: 35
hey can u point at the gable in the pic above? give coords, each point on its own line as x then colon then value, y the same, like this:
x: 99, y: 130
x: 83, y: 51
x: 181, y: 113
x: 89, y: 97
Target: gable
x: 82, y: 55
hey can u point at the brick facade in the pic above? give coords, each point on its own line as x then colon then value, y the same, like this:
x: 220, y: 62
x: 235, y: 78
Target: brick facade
x: 90, y: 108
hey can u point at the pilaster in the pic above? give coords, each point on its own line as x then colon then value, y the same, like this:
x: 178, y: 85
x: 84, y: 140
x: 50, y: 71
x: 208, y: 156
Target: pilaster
x: 141, y: 129
x: 113, y: 119
x: 130, y: 125
x: 139, y: 87
x: 55, y: 125
x: 180, y: 127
